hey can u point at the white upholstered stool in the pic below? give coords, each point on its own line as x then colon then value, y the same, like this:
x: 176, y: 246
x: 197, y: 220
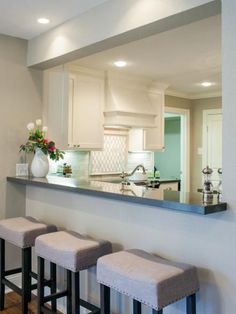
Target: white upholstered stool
x: 74, y: 252
x: 147, y: 279
x: 21, y: 232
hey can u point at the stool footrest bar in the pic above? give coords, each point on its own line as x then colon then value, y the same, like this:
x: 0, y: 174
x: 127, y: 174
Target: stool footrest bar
x: 55, y: 296
x: 12, y: 271
x: 89, y: 306
x: 33, y: 275
x: 34, y: 286
x: 45, y: 283
x: 46, y: 310
x: 12, y: 286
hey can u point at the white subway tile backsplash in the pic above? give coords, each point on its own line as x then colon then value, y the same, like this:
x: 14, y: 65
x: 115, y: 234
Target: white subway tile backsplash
x: 78, y: 160
x: 113, y: 159
x: 144, y: 158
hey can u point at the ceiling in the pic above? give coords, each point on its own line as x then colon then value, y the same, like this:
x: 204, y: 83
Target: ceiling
x: 182, y: 58
x: 19, y: 17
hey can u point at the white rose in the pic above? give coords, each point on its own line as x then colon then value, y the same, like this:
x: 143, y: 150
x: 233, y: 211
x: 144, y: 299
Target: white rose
x: 38, y: 122
x: 30, y: 126
x: 45, y: 129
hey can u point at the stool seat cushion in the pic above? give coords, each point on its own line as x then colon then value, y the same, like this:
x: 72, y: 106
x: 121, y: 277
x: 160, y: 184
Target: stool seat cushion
x: 71, y: 250
x: 22, y: 231
x: 150, y: 279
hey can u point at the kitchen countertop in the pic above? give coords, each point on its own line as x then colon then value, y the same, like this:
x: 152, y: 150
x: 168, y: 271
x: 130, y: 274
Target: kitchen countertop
x: 172, y: 200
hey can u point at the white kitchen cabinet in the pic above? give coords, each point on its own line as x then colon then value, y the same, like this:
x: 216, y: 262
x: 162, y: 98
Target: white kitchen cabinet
x: 136, y: 140
x: 73, y: 108
x: 55, y: 106
x: 154, y: 137
x: 141, y: 140
x: 170, y: 186
x: 150, y: 139
x: 86, y: 98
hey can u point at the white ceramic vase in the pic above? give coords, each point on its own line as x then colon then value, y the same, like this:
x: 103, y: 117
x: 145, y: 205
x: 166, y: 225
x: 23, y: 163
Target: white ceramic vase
x: 40, y: 164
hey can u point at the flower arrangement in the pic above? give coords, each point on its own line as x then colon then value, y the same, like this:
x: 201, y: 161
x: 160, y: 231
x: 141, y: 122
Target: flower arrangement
x: 37, y: 139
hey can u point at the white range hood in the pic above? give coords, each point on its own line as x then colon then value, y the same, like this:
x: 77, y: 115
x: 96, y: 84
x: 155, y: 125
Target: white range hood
x: 132, y: 102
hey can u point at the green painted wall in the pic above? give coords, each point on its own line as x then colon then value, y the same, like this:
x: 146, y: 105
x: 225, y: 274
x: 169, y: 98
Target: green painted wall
x: 168, y: 162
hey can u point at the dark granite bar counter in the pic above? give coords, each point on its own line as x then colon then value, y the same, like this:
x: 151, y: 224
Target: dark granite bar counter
x: 172, y: 200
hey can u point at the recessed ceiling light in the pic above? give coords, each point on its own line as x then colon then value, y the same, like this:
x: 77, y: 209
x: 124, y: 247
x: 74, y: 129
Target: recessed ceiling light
x: 206, y: 84
x: 43, y: 20
x: 120, y: 63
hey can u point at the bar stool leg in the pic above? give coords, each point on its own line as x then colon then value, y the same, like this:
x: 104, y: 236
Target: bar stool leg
x: 26, y: 278
x: 105, y: 299
x: 69, y: 296
x: 40, y: 288
x: 2, y: 271
x: 137, y: 307
x: 191, y: 304
x: 53, y: 275
x: 75, y: 292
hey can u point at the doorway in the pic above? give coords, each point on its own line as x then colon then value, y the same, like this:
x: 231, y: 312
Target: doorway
x: 212, y: 141
x: 184, y: 152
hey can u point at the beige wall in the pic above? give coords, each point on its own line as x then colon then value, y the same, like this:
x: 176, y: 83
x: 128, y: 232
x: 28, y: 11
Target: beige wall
x: 196, y: 107
x: 20, y: 102
x: 177, y: 102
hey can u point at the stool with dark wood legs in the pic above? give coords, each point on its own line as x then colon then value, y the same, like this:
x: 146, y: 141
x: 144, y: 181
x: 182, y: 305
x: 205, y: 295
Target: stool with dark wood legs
x: 21, y: 232
x: 74, y: 253
x: 147, y: 279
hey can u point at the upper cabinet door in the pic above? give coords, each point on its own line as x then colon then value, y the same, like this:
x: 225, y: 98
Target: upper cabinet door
x: 154, y: 137
x: 55, y: 106
x: 73, y: 108
x: 136, y: 140
x: 86, y: 99
x: 150, y: 139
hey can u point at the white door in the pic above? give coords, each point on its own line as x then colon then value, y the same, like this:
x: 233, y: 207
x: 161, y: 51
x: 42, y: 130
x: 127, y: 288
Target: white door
x: 212, y: 141
x: 184, y: 114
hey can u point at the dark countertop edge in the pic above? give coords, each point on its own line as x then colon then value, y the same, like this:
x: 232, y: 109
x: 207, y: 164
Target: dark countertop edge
x: 171, y: 205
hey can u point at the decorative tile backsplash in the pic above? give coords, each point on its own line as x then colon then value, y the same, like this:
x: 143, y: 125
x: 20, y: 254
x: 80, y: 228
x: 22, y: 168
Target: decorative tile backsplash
x: 113, y: 158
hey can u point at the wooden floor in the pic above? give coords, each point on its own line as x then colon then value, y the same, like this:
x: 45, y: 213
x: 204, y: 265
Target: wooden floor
x: 13, y: 304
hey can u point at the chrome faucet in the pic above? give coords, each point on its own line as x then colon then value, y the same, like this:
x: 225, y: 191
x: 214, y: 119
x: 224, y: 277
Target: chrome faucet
x: 125, y: 175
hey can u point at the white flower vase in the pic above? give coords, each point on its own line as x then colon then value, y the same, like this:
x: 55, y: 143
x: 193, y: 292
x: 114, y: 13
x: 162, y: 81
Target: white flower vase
x: 40, y: 164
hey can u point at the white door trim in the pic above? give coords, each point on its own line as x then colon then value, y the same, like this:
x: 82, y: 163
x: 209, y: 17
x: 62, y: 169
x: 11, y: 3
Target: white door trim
x: 204, y: 133
x: 185, y: 144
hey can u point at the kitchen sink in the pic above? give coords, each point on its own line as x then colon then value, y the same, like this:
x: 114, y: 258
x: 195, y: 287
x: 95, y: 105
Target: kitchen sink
x: 112, y: 180
x: 145, y: 183
x: 119, y: 181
